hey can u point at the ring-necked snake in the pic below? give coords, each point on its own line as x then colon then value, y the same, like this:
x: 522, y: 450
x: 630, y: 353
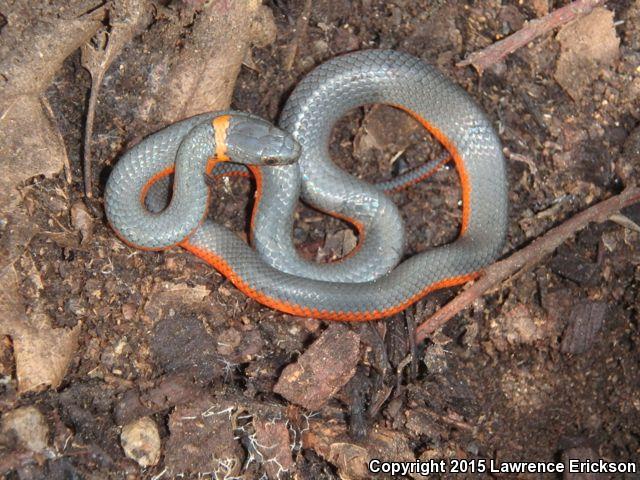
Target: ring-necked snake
x: 291, y: 162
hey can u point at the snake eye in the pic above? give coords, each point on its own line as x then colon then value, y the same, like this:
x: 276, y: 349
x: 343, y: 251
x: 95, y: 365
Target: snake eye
x: 270, y: 161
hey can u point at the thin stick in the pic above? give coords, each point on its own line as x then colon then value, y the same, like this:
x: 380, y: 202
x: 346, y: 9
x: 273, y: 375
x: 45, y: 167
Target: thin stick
x: 300, y: 34
x: 96, y: 81
x: 494, y: 53
x: 527, y: 258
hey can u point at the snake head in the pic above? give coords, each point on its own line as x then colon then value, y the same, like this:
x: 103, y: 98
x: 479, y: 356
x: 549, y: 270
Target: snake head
x: 253, y: 141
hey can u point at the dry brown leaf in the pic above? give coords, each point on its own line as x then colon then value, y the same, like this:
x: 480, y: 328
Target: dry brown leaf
x: 42, y: 353
x: 168, y: 292
x: 38, y: 37
x: 43, y: 356
x: 200, y: 76
x: 82, y: 221
x: 384, y: 127
x: 30, y: 145
x: 587, y: 45
x: 15, y: 235
x: 13, y: 319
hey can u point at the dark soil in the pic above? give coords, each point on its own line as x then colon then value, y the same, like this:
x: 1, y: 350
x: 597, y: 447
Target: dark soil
x: 483, y: 387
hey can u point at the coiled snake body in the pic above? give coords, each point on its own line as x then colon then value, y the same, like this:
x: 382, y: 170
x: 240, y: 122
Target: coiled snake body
x: 293, y: 162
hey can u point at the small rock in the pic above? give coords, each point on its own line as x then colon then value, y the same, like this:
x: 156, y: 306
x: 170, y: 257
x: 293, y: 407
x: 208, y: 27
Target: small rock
x: 29, y: 426
x: 585, y: 321
x: 141, y: 441
x: 322, y: 370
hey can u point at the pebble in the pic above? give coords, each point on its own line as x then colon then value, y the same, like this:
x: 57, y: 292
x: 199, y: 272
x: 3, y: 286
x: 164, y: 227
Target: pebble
x: 141, y: 441
x: 29, y: 426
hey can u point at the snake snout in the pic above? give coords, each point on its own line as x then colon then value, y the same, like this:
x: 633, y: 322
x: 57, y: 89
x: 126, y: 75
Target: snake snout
x: 254, y: 141
x: 280, y: 149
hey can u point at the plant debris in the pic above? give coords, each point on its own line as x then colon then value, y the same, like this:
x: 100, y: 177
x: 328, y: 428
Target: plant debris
x: 152, y: 364
x: 322, y: 369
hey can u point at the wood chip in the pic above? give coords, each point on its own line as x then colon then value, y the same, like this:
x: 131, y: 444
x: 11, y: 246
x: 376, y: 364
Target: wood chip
x: 585, y: 321
x: 322, y: 370
x: 202, y: 440
x: 274, y: 445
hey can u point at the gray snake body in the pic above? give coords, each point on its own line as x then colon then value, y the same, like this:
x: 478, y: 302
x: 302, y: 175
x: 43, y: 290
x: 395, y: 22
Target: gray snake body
x: 293, y: 162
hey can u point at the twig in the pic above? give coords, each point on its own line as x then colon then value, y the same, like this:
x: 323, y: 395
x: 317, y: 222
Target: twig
x: 494, y: 53
x: 526, y: 258
x: 96, y: 81
x: 127, y: 18
x: 625, y: 222
x: 300, y: 32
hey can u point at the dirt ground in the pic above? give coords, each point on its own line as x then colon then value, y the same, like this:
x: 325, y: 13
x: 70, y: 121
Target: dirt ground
x: 547, y: 363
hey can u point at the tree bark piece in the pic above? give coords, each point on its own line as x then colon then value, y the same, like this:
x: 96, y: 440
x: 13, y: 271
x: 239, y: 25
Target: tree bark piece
x: 322, y: 370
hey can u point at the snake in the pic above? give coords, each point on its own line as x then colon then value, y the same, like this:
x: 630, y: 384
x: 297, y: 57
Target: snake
x: 157, y: 194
